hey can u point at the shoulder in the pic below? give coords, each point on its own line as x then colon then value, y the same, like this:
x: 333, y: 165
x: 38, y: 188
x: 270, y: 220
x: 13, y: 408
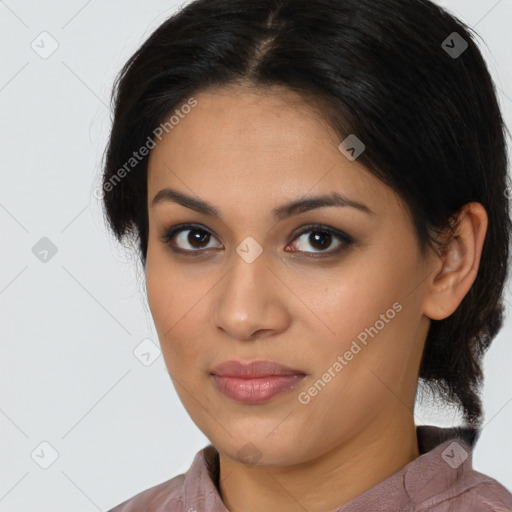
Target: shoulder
x: 474, y: 492
x: 150, y: 499
x: 175, y: 492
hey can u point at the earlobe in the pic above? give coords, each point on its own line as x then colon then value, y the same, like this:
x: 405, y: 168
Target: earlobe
x: 460, y: 261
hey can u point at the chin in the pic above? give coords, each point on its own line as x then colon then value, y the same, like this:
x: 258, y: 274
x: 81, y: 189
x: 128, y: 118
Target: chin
x: 261, y: 450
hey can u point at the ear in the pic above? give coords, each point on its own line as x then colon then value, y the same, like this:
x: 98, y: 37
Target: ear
x: 458, y: 264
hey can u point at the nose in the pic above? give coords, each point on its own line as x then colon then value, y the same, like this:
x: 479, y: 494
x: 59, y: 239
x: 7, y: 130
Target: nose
x: 251, y: 301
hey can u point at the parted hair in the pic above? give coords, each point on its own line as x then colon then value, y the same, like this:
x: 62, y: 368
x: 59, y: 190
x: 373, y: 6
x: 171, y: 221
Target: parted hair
x: 393, y: 73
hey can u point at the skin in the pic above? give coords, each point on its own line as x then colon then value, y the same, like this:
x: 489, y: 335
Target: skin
x: 247, y: 151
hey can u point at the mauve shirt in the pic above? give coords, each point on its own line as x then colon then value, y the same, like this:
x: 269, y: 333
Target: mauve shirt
x: 441, y: 479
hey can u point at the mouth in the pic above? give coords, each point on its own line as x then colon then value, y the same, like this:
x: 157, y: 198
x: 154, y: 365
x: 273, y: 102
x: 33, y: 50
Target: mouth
x: 256, y: 382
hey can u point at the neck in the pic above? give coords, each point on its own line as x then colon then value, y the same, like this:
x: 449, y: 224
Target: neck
x: 324, y: 483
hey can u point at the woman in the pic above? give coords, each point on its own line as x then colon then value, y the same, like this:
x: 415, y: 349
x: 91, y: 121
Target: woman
x: 316, y: 188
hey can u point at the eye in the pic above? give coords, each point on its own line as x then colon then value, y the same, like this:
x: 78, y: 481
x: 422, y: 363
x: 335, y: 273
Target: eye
x: 194, y: 235
x: 198, y: 238
x: 321, y: 238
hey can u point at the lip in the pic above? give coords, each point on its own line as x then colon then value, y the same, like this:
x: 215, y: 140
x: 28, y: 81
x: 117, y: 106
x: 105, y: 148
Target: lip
x: 253, y: 369
x: 254, y: 382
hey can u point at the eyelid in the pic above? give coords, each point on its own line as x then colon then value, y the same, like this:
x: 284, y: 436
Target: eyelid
x: 345, y: 239
x: 170, y: 233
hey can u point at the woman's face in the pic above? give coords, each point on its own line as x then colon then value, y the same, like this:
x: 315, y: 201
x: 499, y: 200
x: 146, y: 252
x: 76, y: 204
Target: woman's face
x: 244, y: 284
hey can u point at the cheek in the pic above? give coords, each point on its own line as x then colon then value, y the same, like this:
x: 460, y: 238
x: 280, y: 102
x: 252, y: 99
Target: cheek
x: 350, y: 300
x: 170, y: 293
x: 356, y: 380
x: 368, y: 318
x: 177, y: 306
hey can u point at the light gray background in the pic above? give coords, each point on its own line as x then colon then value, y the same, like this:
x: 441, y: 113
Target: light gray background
x: 69, y: 376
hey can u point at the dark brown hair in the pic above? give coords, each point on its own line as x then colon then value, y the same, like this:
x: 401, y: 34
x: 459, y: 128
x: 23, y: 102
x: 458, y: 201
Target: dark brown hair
x: 390, y: 71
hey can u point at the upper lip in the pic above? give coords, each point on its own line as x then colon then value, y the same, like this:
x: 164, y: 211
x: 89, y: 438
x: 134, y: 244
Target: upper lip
x: 253, y: 369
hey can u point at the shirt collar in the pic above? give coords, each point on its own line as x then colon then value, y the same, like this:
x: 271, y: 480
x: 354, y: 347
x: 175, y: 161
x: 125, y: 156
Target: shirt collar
x: 445, y: 454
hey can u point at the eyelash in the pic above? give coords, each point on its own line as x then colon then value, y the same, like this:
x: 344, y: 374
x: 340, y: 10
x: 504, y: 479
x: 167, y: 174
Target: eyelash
x: 345, y: 240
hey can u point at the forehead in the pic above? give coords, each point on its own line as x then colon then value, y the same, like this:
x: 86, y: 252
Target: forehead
x: 261, y: 143
x: 243, y: 118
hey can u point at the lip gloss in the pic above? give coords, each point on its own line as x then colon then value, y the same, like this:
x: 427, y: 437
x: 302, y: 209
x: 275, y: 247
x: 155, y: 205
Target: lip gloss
x: 255, y: 390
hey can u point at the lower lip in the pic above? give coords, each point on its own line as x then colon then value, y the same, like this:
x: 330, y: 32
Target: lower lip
x: 258, y: 390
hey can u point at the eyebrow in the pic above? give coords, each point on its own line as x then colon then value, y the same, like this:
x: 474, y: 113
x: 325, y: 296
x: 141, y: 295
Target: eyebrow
x: 279, y: 213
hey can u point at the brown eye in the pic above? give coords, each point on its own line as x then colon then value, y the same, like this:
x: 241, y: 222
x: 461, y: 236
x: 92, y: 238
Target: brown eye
x: 189, y: 238
x: 196, y: 238
x: 320, y: 239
